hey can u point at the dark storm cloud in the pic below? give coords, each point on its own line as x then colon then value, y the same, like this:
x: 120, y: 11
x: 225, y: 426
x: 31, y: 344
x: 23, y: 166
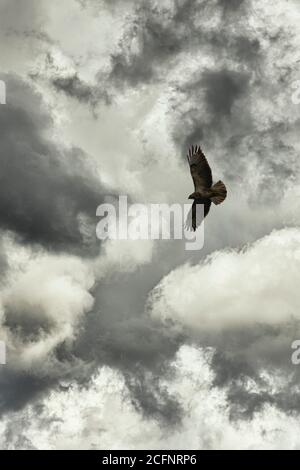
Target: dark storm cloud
x: 155, y: 36
x: 162, y: 34
x: 44, y: 188
x: 118, y: 333
x: 151, y: 399
x: 231, y: 5
x: 222, y: 88
x: 158, y: 38
x: 74, y: 87
x: 16, y: 389
x: 211, y: 99
x: 27, y: 325
x: 242, y: 355
x: 20, y: 387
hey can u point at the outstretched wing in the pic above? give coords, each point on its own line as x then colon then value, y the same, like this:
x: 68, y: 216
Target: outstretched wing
x: 193, y: 221
x: 200, y: 169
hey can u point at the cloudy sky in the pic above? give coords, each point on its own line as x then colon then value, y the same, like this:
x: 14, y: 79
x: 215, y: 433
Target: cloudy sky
x: 142, y: 344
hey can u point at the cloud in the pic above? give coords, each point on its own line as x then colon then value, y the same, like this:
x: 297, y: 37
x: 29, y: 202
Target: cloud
x: 12, y: 21
x: 158, y: 35
x: 176, y: 73
x: 73, y: 87
x: 36, y: 320
x: 61, y: 72
x: 43, y: 299
x: 103, y: 415
x: 238, y: 288
x: 47, y: 190
x: 246, y: 305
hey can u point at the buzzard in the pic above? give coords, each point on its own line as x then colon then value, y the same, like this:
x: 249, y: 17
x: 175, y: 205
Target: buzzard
x: 205, y: 192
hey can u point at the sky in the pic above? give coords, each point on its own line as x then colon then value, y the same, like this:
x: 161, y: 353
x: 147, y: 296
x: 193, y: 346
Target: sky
x: 141, y: 344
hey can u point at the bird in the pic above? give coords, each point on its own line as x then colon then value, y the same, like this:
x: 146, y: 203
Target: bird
x: 205, y: 192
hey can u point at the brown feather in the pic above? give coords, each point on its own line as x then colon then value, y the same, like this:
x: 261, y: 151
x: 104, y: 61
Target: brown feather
x: 200, y: 169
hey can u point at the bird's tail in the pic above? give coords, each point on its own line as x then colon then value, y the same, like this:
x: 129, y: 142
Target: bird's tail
x: 220, y: 192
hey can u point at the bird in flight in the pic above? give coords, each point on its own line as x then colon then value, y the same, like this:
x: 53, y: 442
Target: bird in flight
x: 205, y: 192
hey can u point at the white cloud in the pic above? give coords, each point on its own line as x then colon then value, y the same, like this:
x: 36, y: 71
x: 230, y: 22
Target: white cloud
x: 259, y: 284
x: 103, y: 416
x: 43, y: 300
x: 123, y: 256
x: 44, y: 297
